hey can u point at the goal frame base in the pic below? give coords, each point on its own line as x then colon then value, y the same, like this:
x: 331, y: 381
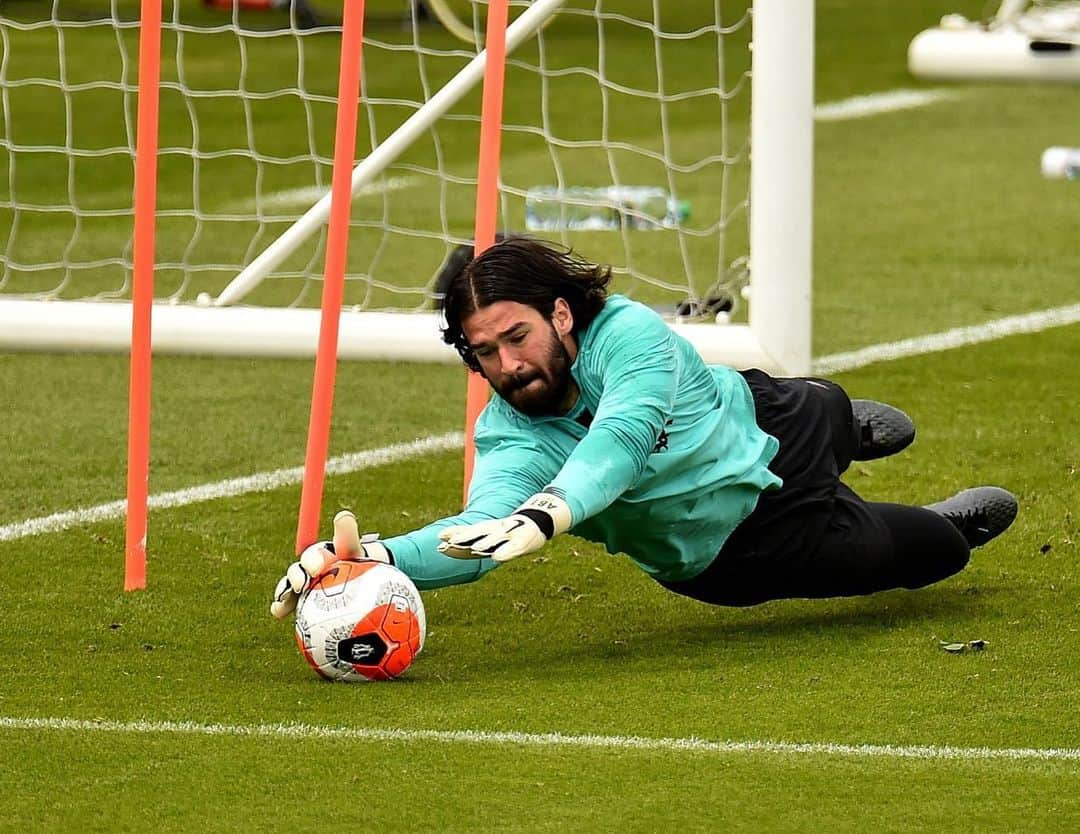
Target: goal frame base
x: 291, y: 333
x: 979, y: 54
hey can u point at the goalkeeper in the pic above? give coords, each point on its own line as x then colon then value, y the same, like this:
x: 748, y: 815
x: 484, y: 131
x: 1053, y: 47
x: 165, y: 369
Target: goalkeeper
x: 721, y: 485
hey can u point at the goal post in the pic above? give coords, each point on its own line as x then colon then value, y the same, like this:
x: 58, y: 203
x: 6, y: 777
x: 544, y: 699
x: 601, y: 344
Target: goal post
x: 781, y: 184
x: 608, y: 94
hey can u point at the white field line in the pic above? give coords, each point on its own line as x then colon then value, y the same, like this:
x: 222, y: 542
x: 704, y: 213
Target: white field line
x: 513, y: 739
x: 859, y: 107
x: 259, y: 482
x: 948, y: 339
x: 308, y: 196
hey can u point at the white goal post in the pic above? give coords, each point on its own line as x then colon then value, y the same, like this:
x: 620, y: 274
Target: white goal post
x: 239, y: 273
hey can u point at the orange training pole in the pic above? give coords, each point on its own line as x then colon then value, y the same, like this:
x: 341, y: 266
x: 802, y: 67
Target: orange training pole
x: 142, y: 298
x: 487, y: 192
x: 337, y: 246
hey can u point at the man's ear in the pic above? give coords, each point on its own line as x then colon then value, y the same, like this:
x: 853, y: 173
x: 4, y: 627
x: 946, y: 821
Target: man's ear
x: 562, y: 317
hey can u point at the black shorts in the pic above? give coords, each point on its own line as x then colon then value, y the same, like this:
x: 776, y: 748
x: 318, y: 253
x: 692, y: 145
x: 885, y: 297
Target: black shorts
x: 814, y: 537
x: 813, y: 421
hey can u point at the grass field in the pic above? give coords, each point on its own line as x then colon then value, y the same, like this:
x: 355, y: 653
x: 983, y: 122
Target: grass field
x: 187, y: 708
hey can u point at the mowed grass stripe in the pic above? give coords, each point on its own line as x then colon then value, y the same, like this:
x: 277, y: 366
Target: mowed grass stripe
x: 265, y: 481
x: 688, y: 745
x: 259, y: 482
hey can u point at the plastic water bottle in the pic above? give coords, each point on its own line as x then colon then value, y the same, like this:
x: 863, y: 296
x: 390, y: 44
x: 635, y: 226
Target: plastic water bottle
x: 547, y: 208
x: 1061, y: 163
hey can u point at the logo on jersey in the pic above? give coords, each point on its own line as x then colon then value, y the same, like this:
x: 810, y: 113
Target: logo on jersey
x: 662, y: 440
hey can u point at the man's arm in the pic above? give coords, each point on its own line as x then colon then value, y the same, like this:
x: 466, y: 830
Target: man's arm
x: 637, y: 361
x: 510, y: 466
x: 634, y: 361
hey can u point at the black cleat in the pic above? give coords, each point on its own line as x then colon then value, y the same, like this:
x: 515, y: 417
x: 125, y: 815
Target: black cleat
x: 882, y: 429
x: 980, y: 513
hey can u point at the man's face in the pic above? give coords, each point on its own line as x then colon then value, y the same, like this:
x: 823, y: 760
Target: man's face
x: 524, y: 356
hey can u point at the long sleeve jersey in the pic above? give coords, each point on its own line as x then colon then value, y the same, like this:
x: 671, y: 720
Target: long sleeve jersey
x: 660, y: 457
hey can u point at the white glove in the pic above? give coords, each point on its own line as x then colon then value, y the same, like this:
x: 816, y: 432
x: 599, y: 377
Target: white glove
x: 539, y: 519
x: 348, y: 544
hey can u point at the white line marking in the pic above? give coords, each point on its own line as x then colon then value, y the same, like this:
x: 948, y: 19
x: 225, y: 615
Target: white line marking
x: 690, y: 745
x: 259, y: 482
x: 310, y: 195
x: 948, y: 339
x: 859, y: 107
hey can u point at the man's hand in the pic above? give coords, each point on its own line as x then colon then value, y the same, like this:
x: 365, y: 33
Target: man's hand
x: 542, y: 517
x: 348, y: 544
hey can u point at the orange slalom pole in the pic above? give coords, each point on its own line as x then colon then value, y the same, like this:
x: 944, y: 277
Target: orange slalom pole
x: 337, y: 247
x: 142, y: 296
x: 487, y: 194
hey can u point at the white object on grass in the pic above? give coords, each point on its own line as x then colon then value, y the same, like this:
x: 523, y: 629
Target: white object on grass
x: 1061, y: 163
x: 1039, y: 42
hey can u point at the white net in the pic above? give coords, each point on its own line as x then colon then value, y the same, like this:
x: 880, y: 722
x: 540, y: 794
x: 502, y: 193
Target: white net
x: 621, y: 97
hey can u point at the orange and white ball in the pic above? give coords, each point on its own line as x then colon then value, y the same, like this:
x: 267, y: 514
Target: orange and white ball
x: 360, y: 621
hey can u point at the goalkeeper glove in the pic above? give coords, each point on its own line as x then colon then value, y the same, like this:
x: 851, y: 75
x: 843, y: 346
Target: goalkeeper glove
x: 539, y: 519
x: 348, y: 544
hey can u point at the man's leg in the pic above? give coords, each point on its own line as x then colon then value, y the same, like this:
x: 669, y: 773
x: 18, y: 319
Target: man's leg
x: 814, y: 537
x: 862, y: 548
x: 814, y: 423
x: 873, y: 546
x: 857, y: 429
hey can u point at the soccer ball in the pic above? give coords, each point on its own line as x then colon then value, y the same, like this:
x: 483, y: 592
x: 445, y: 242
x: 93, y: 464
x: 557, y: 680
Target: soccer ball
x: 360, y: 621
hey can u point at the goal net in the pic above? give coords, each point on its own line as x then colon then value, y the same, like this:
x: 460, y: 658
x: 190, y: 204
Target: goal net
x: 634, y: 114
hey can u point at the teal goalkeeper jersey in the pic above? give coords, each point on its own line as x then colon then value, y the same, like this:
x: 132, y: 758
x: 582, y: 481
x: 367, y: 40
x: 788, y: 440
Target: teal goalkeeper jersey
x: 660, y: 458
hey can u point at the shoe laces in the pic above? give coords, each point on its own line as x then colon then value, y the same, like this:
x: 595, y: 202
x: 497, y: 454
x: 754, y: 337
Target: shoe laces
x: 971, y: 518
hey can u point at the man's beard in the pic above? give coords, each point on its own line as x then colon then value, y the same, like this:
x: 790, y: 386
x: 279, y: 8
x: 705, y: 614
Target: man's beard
x: 545, y: 400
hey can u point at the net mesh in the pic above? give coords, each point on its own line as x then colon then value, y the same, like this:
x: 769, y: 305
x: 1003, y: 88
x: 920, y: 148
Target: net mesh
x: 611, y: 94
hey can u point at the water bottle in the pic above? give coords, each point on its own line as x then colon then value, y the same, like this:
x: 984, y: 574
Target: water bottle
x: 612, y: 207
x: 1061, y: 163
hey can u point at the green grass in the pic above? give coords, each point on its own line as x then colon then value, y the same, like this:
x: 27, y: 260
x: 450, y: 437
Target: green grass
x: 552, y: 792
x: 927, y: 219
x: 579, y: 643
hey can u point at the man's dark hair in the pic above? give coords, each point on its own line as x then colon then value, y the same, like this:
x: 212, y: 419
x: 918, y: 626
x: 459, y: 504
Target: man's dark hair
x: 528, y: 271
